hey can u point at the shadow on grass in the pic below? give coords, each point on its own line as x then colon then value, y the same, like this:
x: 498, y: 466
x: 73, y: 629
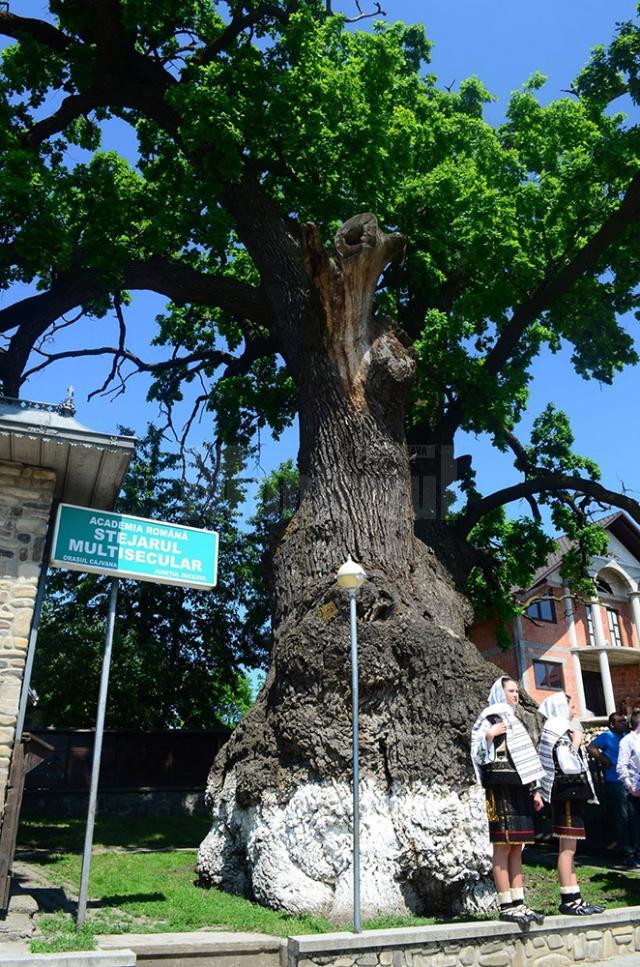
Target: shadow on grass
x: 52, y: 898
x: 45, y: 857
x: 623, y: 886
x: 130, y: 833
x: 121, y: 899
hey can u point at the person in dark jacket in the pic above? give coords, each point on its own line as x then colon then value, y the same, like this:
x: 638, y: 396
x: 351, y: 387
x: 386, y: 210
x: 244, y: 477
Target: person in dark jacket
x: 605, y: 749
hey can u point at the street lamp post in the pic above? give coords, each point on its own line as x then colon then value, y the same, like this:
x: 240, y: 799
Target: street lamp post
x: 350, y: 577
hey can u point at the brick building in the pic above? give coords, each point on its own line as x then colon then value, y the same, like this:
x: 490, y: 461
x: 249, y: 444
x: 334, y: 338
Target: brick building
x: 589, y: 649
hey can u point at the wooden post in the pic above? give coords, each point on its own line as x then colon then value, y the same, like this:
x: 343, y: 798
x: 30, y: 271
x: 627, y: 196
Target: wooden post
x: 28, y: 754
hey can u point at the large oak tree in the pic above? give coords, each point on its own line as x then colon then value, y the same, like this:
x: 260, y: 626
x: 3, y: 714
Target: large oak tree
x: 265, y: 130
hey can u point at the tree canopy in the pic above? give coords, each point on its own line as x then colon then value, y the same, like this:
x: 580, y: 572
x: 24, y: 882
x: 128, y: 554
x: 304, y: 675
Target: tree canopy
x: 255, y: 121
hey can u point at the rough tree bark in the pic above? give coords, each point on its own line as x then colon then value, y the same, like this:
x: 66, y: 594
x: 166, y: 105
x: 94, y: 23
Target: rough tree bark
x: 280, y: 789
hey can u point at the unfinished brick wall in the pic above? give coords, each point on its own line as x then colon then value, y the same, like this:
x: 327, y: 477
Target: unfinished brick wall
x: 626, y: 685
x: 483, y: 635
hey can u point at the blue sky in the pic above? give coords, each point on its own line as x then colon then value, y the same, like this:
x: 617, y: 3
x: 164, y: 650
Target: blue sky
x: 502, y: 42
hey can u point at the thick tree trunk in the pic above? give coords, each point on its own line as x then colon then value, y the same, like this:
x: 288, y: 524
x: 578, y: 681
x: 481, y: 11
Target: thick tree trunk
x: 280, y: 789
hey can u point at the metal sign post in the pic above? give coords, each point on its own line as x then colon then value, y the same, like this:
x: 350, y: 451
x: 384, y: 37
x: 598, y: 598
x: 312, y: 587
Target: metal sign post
x: 124, y: 546
x: 97, y: 755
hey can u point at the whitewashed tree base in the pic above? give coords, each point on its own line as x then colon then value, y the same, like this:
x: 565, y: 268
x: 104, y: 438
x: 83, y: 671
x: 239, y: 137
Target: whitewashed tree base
x: 425, y: 848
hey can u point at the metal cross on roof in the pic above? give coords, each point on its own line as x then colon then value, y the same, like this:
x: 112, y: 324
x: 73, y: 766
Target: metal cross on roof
x: 68, y: 406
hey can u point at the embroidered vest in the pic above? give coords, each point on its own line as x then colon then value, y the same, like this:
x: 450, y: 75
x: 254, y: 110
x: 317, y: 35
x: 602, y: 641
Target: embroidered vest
x: 501, y: 771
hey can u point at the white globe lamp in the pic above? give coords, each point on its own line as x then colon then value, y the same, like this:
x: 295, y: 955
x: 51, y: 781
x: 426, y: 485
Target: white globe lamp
x: 351, y: 575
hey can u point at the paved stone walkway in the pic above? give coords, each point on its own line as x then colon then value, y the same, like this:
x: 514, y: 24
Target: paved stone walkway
x: 30, y: 892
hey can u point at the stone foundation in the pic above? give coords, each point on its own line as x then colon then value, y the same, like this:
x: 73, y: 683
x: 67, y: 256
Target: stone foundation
x: 559, y: 942
x: 424, y: 849
x: 26, y: 495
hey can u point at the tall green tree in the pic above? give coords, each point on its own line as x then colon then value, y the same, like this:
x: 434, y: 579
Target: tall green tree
x: 266, y: 128
x: 178, y: 653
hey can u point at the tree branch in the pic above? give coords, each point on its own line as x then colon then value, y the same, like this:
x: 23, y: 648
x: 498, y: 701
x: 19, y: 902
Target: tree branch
x: 71, y: 108
x: 123, y: 92
x: 554, y: 287
x: 242, y: 21
x: 180, y: 283
x: 255, y: 348
x: 41, y: 31
x: 523, y: 463
x: 214, y: 357
x: 547, y: 483
x: 276, y: 245
x: 118, y: 355
x: 363, y: 15
x: 239, y: 22
x: 122, y: 76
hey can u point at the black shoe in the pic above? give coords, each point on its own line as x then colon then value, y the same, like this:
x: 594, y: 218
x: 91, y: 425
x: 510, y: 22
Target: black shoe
x: 533, y: 916
x: 581, y: 909
x: 595, y: 907
x: 633, y: 864
x: 515, y: 915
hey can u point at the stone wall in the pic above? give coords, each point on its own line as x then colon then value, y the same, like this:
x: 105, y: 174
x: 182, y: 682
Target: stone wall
x: 559, y: 942
x: 26, y: 496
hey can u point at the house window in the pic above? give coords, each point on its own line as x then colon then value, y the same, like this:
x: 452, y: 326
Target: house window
x: 542, y: 610
x: 590, y: 631
x: 548, y: 674
x: 613, y: 620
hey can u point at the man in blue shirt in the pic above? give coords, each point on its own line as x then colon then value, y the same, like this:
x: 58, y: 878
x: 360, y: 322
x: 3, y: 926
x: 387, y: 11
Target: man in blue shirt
x: 605, y: 749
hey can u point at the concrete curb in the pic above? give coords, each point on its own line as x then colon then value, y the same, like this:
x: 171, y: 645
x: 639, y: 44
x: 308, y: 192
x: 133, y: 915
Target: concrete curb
x: 18, y: 955
x: 328, y: 943
x: 222, y: 949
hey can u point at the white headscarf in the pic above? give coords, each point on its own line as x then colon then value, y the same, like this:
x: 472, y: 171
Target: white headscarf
x: 556, y: 712
x: 554, y: 706
x: 497, y: 694
x: 521, y: 748
x: 557, y: 723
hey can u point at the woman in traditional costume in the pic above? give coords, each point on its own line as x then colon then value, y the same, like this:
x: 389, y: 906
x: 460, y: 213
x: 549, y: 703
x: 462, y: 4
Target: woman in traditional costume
x: 507, y: 765
x: 567, y: 785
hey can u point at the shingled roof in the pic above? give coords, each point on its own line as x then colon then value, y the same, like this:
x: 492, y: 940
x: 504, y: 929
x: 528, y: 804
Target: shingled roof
x: 618, y: 523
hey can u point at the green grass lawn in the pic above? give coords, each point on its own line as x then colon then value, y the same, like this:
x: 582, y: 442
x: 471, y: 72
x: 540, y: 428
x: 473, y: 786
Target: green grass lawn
x: 156, y: 891
x: 599, y: 884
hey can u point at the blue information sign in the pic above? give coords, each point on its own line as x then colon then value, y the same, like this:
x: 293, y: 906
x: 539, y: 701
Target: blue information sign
x: 134, y: 547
